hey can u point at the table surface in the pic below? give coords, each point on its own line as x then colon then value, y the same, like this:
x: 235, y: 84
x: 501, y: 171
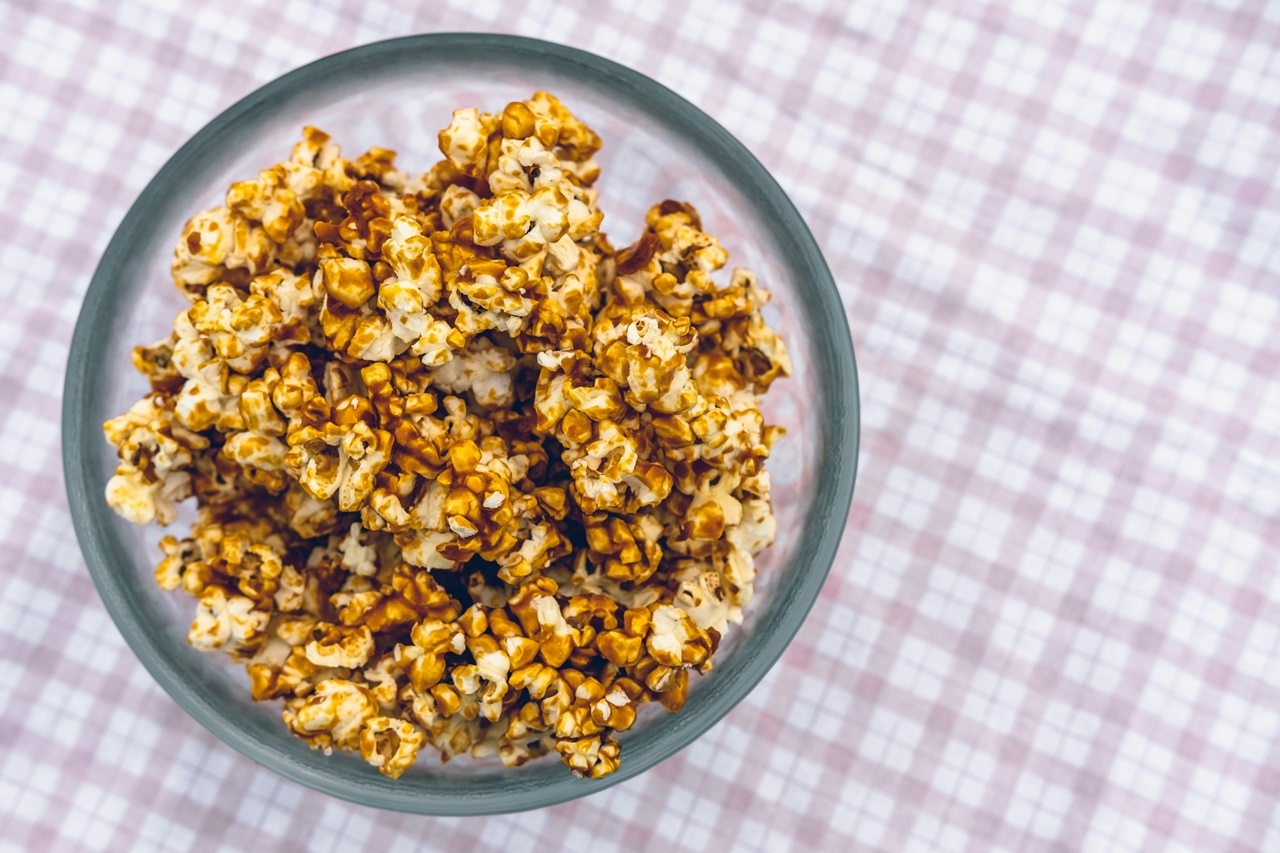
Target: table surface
x: 1055, y: 616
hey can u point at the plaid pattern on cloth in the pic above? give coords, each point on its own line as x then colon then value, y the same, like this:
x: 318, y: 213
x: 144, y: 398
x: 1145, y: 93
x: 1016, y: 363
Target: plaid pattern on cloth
x: 1054, y: 623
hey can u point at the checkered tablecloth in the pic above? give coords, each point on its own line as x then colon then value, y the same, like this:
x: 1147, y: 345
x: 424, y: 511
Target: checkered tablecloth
x: 1054, y: 622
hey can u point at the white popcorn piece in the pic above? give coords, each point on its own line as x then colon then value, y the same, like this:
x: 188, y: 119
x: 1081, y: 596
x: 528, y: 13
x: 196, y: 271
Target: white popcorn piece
x: 333, y: 715
x: 227, y: 622
x: 481, y: 368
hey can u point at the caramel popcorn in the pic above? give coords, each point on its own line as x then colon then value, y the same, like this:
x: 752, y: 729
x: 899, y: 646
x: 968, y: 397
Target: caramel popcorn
x: 465, y: 476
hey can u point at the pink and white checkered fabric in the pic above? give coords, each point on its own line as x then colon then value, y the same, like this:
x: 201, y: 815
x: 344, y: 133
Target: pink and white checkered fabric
x: 1055, y: 619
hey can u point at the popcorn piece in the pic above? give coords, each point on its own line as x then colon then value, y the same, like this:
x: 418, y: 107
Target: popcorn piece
x: 348, y: 280
x: 437, y: 711
x: 341, y: 647
x: 215, y: 242
x: 643, y: 351
x: 706, y: 602
x: 341, y: 459
x: 534, y: 604
x: 154, y: 450
x: 540, y: 543
x: 261, y: 457
x: 308, y: 517
x: 412, y: 595
x: 227, y: 622
x: 592, y: 757
x: 675, y: 639
x: 280, y: 667
x: 358, y: 557
x: 626, y: 550
x: 156, y: 363
x: 457, y: 202
x: 610, y: 463
x: 390, y: 745
x: 294, y: 298
x: 516, y: 750
x: 269, y: 200
x: 493, y: 665
x: 482, y: 369
x: 424, y: 661
x: 465, y: 142
x: 415, y: 285
x: 335, y: 714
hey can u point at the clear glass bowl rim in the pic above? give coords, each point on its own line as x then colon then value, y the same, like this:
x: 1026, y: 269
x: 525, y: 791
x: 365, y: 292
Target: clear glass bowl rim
x: 83, y: 446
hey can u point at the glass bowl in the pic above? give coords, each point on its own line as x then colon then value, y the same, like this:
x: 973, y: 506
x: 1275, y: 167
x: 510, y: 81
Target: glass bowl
x: 397, y: 94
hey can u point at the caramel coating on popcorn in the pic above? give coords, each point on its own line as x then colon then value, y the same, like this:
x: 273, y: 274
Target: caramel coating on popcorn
x: 465, y: 476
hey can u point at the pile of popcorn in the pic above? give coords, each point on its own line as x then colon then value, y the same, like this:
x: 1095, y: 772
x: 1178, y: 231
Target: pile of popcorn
x: 464, y: 474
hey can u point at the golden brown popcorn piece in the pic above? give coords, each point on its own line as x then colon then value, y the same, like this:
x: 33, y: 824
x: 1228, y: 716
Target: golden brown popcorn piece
x: 259, y: 415
x: 541, y: 619
x: 156, y: 363
x: 438, y: 712
x: 668, y: 684
x: 308, y: 517
x: 625, y: 647
x: 488, y: 295
x: 626, y: 550
x: 339, y: 460
x: 258, y: 451
x: 413, y: 595
x: 260, y: 458
x: 348, y: 280
x: 378, y: 164
x: 605, y: 458
x: 208, y: 397
x: 592, y: 757
x: 340, y: 646
x: 539, y: 544
x: 577, y: 719
x: 598, y: 610
x: 280, y: 666
x: 610, y: 467
x: 269, y: 200
x: 413, y: 284
x: 519, y: 121
x: 391, y: 745
x: 457, y: 202
x: 179, y: 558
x: 493, y: 666
x: 367, y: 224
x: 424, y: 661
x: 256, y: 569
x: 578, y: 141
x: 516, y: 750
x: 295, y: 389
